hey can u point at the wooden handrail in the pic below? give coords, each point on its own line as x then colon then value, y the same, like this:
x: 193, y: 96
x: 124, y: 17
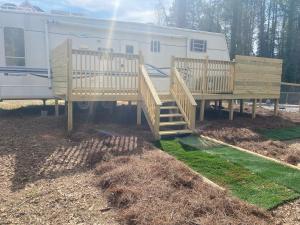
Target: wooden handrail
x: 204, y: 76
x: 113, y: 73
x: 145, y: 75
x: 151, y: 102
x: 183, y: 97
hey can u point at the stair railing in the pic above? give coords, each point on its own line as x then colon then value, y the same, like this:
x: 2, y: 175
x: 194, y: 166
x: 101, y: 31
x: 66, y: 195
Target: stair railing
x: 183, y: 97
x: 150, y: 101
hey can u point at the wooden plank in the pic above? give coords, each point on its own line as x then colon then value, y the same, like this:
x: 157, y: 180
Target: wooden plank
x: 254, y: 101
x: 276, y: 107
x: 202, y: 110
x: 139, y: 113
x: 257, y: 59
x: 230, y: 105
x: 70, y: 116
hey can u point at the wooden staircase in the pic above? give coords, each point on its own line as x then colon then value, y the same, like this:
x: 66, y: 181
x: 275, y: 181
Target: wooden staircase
x: 170, y: 114
x: 172, y: 121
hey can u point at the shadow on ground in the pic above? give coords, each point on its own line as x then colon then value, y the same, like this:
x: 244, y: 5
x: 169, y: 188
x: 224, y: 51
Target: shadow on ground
x: 40, y: 148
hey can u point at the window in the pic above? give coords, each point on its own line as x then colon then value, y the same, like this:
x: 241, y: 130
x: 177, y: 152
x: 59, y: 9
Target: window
x: 129, y: 49
x: 105, y: 50
x: 198, y: 45
x: 14, y: 46
x: 155, y: 46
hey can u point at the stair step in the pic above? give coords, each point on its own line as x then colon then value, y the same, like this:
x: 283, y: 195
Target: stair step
x: 174, y: 132
x: 168, y: 101
x: 170, y: 115
x: 174, y: 123
x: 169, y: 107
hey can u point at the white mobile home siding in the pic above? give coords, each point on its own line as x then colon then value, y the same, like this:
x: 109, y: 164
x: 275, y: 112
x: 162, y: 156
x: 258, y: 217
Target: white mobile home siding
x: 95, y: 34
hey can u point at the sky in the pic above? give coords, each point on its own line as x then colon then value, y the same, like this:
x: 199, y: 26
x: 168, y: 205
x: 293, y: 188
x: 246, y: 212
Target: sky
x: 125, y: 10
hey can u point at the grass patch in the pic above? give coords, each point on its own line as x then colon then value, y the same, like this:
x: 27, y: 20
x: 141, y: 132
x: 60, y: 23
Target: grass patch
x: 243, y: 182
x: 267, y: 169
x: 281, y: 134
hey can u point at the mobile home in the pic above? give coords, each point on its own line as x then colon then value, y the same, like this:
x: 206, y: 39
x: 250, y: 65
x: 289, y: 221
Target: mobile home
x: 165, y: 70
x: 27, y: 38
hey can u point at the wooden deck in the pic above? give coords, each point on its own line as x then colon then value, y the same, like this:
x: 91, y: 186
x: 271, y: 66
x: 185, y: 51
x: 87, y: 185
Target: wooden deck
x: 82, y: 75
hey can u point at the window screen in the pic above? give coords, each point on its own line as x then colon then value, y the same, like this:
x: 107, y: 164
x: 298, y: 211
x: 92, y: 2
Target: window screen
x: 198, y: 45
x: 129, y: 49
x: 14, y: 46
x: 155, y: 46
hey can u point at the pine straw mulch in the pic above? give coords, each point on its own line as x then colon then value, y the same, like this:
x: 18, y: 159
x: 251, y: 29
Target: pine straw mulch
x: 154, y: 188
x: 48, y: 178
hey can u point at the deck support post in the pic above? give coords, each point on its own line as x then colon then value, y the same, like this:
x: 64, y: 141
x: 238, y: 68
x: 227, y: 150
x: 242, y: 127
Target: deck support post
x: 91, y: 108
x: 241, y: 106
x: 220, y: 104
x: 139, y: 113
x: 230, y: 105
x: 216, y: 104
x: 56, y: 108
x: 70, y: 116
x: 254, y: 101
x: 202, y: 110
x: 276, y: 107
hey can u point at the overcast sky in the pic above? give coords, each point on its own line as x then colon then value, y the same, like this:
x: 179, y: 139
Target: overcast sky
x: 129, y: 10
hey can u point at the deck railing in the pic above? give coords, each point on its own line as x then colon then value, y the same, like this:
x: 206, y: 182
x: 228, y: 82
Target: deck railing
x: 99, y: 73
x: 204, y: 76
x: 183, y: 98
x: 151, y: 102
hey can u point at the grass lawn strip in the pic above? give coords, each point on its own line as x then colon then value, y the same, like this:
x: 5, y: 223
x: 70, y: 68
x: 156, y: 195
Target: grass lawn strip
x: 241, y: 181
x: 281, y: 134
x: 267, y: 169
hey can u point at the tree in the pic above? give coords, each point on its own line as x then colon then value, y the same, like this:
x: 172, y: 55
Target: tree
x: 268, y: 28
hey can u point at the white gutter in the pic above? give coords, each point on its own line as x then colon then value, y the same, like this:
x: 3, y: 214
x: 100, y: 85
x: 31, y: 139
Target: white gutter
x: 48, y: 55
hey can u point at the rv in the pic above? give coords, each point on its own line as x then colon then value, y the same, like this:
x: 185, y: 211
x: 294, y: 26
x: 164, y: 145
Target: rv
x: 28, y: 36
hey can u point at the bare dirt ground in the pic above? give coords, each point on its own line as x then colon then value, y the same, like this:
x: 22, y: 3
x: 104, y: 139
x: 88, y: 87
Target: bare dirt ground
x: 242, y: 131
x: 48, y: 177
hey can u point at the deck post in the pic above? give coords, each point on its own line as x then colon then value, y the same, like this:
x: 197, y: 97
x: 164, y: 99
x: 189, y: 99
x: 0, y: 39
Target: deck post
x: 91, y: 108
x: 56, y: 108
x: 216, y: 104
x: 202, y: 109
x: 241, y: 106
x: 254, y: 108
x: 220, y: 104
x: 156, y: 123
x: 139, y: 113
x: 230, y: 105
x: 276, y: 107
x: 70, y: 116
x: 139, y: 102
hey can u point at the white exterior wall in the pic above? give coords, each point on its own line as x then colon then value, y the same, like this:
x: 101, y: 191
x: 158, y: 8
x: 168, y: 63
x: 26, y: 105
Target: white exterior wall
x: 94, y: 34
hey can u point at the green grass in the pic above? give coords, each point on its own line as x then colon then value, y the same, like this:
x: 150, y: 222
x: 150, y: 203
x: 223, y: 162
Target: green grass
x: 281, y: 134
x: 265, y: 168
x: 224, y: 166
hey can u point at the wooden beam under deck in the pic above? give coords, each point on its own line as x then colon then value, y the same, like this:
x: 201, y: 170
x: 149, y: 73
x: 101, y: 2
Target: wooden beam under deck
x: 104, y: 98
x: 233, y: 96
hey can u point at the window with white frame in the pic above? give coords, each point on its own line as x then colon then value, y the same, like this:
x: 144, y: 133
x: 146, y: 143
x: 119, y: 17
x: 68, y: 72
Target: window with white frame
x: 155, y: 46
x: 198, y: 45
x: 129, y: 49
x: 14, y: 46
